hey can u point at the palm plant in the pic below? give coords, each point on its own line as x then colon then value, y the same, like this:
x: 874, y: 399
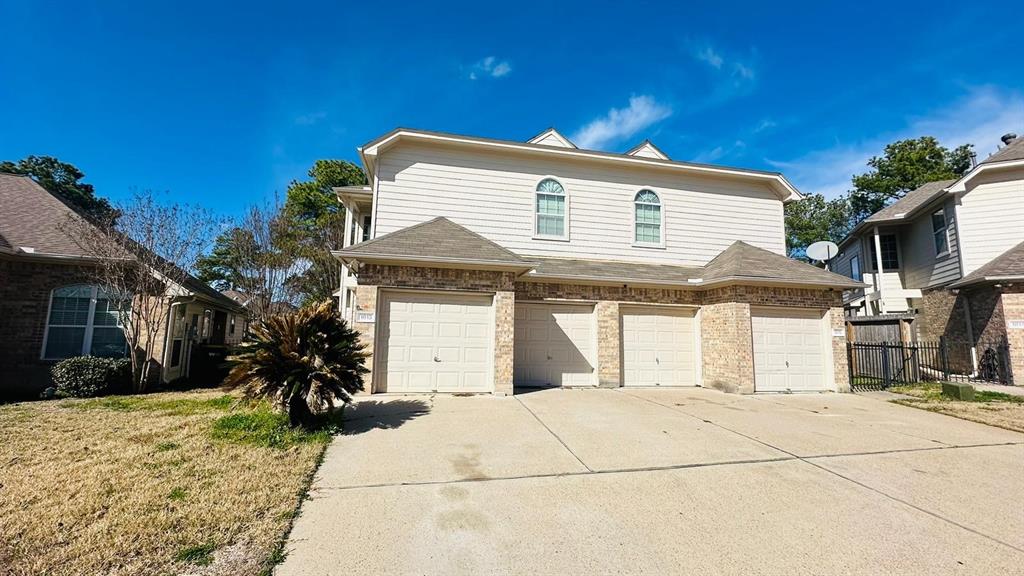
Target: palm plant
x: 303, y: 361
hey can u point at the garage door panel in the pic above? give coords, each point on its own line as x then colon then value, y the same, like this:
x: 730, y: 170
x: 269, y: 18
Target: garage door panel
x: 789, y: 349
x: 658, y: 347
x: 437, y: 342
x: 554, y: 345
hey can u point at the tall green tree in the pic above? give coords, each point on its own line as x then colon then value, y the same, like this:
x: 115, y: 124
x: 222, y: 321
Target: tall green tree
x: 813, y: 219
x: 904, y: 166
x: 64, y: 179
x: 318, y: 223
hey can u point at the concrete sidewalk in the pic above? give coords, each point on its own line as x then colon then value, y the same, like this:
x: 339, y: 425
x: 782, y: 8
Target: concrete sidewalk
x: 661, y: 481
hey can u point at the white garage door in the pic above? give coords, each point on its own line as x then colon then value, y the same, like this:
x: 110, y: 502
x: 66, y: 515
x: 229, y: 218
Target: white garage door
x: 658, y: 347
x: 555, y: 345
x: 789, y: 350
x: 436, y: 342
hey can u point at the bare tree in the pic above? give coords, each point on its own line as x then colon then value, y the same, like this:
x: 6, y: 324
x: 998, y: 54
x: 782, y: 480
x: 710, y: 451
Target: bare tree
x: 143, y: 261
x: 265, y: 253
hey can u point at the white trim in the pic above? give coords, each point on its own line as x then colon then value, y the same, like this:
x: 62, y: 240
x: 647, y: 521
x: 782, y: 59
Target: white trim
x: 88, y: 328
x: 556, y: 134
x: 961, y: 184
x: 945, y: 230
x: 661, y: 213
x: 785, y: 190
x: 565, y: 216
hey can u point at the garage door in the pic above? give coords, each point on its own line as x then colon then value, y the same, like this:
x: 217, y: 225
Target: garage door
x: 555, y: 345
x: 437, y: 342
x: 789, y: 350
x: 658, y: 347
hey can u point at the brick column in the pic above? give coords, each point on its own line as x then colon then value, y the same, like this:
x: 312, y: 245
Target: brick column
x: 727, y: 347
x: 366, y: 302
x: 609, y: 362
x: 837, y: 330
x: 504, y: 341
x: 1013, y: 315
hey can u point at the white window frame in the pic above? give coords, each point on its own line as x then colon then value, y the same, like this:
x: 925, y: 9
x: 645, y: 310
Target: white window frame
x: 661, y: 214
x: 944, y: 231
x: 89, y: 325
x: 859, y: 276
x: 566, y: 219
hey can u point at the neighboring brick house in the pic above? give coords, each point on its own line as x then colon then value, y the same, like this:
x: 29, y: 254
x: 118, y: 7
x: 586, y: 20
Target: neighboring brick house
x: 50, y: 309
x: 480, y: 265
x: 951, y: 258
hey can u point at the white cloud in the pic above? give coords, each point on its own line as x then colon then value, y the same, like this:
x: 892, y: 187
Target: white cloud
x: 310, y: 119
x: 490, y: 66
x: 979, y: 118
x: 766, y: 124
x: 619, y: 123
x: 707, y: 54
x: 719, y: 152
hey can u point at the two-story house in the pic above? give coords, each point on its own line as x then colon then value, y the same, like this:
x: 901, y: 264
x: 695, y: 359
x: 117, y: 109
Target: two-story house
x: 950, y: 253
x: 480, y: 265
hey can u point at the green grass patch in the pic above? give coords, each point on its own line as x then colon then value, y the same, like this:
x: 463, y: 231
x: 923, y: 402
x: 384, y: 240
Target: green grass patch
x: 932, y: 392
x: 200, y: 555
x: 167, y: 446
x: 176, y: 406
x: 177, y: 495
x: 264, y: 427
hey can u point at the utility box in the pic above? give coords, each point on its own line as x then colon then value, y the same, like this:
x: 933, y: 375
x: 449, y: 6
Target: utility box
x: 957, y: 391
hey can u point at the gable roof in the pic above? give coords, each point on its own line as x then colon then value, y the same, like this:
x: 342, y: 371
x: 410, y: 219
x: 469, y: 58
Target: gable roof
x: 552, y: 137
x: 1007, y: 266
x: 647, y: 149
x: 437, y: 240
x: 742, y: 262
x: 775, y: 180
x: 34, y: 223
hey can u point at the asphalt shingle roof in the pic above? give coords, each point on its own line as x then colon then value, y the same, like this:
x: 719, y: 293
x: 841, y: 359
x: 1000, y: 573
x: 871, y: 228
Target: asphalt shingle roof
x: 912, y: 201
x: 616, y: 271
x: 741, y: 261
x: 1012, y: 151
x: 1009, y: 264
x: 437, y: 239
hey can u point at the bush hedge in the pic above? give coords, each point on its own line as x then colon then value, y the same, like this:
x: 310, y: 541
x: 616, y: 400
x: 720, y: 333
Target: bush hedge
x: 89, y: 376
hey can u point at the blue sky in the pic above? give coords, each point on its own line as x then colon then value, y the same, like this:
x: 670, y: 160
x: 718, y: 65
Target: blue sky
x: 224, y: 104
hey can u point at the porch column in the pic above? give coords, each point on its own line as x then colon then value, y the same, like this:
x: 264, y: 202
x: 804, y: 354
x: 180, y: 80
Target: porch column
x: 878, y: 271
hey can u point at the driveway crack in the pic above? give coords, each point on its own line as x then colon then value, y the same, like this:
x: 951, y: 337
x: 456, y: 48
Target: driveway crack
x: 552, y: 432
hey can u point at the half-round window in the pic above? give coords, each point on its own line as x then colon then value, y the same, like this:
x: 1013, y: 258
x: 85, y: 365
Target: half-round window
x: 648, y: 218
x: 551, y: 212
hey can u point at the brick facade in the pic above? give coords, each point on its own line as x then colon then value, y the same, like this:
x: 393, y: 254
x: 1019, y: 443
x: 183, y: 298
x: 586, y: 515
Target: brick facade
x: 726, y: 349
x: 25, y: 288
x: 1013, y: 316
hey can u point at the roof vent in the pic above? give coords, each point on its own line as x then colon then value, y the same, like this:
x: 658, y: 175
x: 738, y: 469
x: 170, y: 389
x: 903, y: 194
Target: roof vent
x: 1008, y: 137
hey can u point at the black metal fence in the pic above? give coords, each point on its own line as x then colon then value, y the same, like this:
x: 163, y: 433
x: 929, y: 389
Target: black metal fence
x: 879, y: 365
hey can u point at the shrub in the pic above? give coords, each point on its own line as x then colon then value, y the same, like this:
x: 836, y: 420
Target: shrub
x: 303, y: 361
x: 88, y: 376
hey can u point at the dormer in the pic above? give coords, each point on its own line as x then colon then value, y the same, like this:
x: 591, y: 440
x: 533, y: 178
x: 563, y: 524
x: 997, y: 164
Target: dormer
x: 648, y: 150
x: 552, y: 137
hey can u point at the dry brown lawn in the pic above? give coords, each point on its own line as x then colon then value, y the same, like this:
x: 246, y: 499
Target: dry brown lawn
x: 992, y: 408
x: 175, y: 483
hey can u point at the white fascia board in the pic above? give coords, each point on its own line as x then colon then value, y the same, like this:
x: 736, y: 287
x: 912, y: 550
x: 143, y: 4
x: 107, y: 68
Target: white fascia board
x: 786, y: 191
x: 961, y: 184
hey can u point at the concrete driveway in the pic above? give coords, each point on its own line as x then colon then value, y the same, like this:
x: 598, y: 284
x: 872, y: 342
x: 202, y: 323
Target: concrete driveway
x: 661, y: 481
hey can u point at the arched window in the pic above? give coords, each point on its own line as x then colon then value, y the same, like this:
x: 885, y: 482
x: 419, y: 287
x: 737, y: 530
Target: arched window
x: 551, y: 209
x: 83, y: 320
x: 648, y: 218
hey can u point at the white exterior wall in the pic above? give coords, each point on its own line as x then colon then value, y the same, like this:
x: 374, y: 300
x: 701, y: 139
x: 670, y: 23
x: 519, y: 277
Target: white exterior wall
x: 922, y: 267
x: 493, y: 195
x: 991, y: 217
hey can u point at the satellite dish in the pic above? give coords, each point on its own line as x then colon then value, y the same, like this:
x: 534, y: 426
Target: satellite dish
x: 822, y: 251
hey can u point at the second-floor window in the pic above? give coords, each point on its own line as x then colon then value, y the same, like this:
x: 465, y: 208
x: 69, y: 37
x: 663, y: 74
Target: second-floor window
x: 366, y: 228
x: 647, y: 214
x: 890, y: 254
x: 855, y: 268
x: 939, y: 232
x: 551, y: 212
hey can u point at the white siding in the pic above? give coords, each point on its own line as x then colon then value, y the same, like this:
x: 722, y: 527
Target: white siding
x: 922, y: 267
x: 551, y: 140
x: 493, y: 195
x: 991, y: 218
x: 647, y: 151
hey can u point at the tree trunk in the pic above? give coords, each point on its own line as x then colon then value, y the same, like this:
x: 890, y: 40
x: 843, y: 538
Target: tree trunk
x: 299, y: 413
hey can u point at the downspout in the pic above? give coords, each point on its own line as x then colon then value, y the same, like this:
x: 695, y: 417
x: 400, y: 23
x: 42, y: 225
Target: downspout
x: 970, y: 335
